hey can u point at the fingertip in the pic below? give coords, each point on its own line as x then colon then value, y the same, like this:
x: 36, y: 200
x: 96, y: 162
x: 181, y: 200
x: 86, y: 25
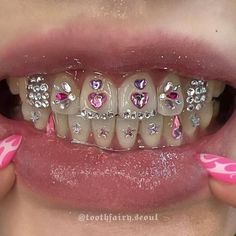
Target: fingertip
x: 223, y: 191
x: 7, y: 179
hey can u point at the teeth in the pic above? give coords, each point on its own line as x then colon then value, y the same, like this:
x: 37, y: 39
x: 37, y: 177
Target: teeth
x: 38, y: 116
x: 13, y: 84
x: 216, y: 109
x: 61, y: 125
x: 22, y: 89
x: 137, y: 94
x: 151, y: 130
x: 218, y: 88
x: 103, y: 132
x: 190, y: 122
x: 65, y: 95
x: 206, y: 114
x: 126, y: 131
x: 80, y: 128
x: 98, y: 96
x: 170, y: 96
x: 173, y: 131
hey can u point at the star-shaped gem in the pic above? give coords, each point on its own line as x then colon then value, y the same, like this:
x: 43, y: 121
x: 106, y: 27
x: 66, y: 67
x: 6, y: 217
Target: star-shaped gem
x: 35, y: 115
x: 76, y: 128
x: 153, y: 128
x: 103, y: 132
x: 129, y: 132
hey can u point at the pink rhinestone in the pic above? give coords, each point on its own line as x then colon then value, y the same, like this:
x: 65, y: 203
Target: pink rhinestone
x: 97, y: 99
x: 176, y: 128
x: 61, y: 96
x: 172, y: 95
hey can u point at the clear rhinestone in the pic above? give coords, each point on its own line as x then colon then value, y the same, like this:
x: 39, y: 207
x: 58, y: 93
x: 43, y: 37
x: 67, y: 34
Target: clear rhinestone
x: 133, y: 115
x: 35, y: 115
x: 190, y: 100
x: 190, y: 92
x: 162, y: 96
x: 194, y: 82
x: 197, y: 99
x: 76, y: 128
x: 38, y: 104
x: 203, y: 98
x: 66, y: 87
x: 168, y: 86
x: 83, y: 113
x: 198, y: 106
x: 195, y: 120
x: 190, y: 107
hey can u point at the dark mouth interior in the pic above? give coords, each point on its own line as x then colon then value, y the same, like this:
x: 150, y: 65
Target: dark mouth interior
x: 10, y: 105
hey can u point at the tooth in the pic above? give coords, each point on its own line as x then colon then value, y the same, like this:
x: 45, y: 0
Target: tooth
x: 189, y: 129
x: 22, y: 84
x: 218, y: 88
x: 103, y: 132
x: 151, y: 130
x: 170, y: 97
x: 80, y: 128
x: 126, y: 131
x: 61, y: 125
x: 65, y: 95
x: 173, y: 131
x: 98, y: 96
x: 137, y: 94
x: 206, y: 114
x: 216, y: 109
x: 39, y: 116
x: 13, y: 84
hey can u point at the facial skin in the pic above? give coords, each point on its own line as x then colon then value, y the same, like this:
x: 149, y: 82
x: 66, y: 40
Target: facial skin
x: 210, y: 21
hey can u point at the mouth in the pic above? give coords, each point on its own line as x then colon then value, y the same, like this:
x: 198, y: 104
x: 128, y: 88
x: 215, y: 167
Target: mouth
x: 114, y: 130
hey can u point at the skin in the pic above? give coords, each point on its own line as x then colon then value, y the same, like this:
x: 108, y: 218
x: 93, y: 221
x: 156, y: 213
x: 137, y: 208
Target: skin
x: 22, y: 214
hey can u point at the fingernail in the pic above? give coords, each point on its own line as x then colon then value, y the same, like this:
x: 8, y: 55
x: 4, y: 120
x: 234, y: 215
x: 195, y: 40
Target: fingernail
x: 220, y: 168
x: 8, y: 148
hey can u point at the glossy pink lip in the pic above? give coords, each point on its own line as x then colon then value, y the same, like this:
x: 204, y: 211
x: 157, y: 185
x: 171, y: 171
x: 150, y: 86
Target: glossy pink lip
x: 87, y: 177
x: 87, y: 46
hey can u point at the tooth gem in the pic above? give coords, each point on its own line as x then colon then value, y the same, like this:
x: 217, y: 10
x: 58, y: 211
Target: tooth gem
x: 37, y: 91
x: 176, y: 128
x: 76, y: 128
x: 35, y: 115
x: 140, y: 83
x: 195, y: 120
x: 97, y: 99
x: 139, y: 99
x: 170, y: 96
x: 64, y: 95
x: 140, y: 115
x: 96, y: 115
x: 153, y: 128
x: 129, y: 132
x: 96, y: 84
x: 196, y: 95
x: 50, y: 130
x: 103, y: 132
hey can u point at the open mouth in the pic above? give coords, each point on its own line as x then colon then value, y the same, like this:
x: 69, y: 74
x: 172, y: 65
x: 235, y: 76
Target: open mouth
x: 120, y: 140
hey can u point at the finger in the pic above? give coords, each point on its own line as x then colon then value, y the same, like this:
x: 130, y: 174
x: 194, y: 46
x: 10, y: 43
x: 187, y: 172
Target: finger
x: 8, y: 148
x: 223, y: 191
x: 222, y: 181
x: 7, y: 177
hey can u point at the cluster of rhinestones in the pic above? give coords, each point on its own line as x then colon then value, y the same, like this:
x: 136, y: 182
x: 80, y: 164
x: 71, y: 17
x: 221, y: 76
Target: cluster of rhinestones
x: 96, y: 115
x: 138, y: 115
x: 170, y: 95
x: 64, y: 95
x: 37, y: 92
x: 196, y: 95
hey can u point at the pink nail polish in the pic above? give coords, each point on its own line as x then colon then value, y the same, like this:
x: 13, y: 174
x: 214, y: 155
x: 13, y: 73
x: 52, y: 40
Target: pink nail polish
x: 220, y: 168
x: 8, y: 148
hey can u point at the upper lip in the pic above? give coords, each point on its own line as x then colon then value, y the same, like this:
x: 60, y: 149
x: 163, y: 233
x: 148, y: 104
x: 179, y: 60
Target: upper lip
x: 84, y: 176
x: 109, y: 49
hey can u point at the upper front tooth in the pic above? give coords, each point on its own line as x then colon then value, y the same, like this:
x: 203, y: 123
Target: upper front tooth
x: 13, y: 84
x: 98, y: 96
x: 137, y: 95
x: 65, y: 95
x: 170, y: 96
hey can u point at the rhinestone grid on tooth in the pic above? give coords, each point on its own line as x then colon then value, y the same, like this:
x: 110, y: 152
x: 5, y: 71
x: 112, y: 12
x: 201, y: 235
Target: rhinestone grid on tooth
x: 37, y: 92
x: 196, y: 95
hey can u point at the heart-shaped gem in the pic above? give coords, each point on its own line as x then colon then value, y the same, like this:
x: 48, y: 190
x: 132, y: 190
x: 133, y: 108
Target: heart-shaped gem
x: 97, y: 99
x: 172, y: 95
x: 61, y: 96
x: 140, y: 83
x: 139, y: 99
x: 96, y: 84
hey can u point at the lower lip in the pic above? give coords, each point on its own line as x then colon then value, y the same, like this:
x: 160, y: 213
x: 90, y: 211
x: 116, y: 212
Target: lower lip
x: 82, y: 177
